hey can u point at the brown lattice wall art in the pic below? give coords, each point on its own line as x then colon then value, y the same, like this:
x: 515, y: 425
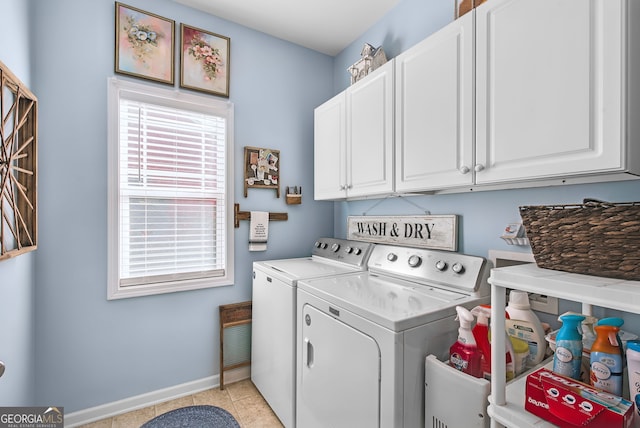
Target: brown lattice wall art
x: 18, y: 166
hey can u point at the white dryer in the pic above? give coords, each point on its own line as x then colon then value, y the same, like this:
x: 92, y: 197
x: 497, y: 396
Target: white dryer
x: 363, y: 337
x: 273, y: 336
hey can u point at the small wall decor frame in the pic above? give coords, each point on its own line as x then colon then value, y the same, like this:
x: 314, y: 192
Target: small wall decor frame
x: 261, y: 169
x: 204, y: 61
x: 18, y: 166
x: 144, y: 45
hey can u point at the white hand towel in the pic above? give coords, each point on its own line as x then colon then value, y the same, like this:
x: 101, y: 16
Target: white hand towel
x: 258, y: 231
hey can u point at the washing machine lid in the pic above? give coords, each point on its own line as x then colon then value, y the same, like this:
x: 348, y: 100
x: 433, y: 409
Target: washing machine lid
x: 390, y: 302
x: 307, y: 267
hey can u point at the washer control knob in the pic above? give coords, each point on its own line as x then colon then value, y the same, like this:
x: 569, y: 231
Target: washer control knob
x: 415, y: 261
x: 323, y: 245
x: 392, y: 257
x: 348, y: 249
x: 357, y: 251
x: 317, y: 244
x: 335, y: 248
x: 457, y: 268
x: 441, y: 265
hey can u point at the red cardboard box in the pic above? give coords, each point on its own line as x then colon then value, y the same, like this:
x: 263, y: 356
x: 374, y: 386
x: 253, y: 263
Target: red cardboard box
x: 568, y: 403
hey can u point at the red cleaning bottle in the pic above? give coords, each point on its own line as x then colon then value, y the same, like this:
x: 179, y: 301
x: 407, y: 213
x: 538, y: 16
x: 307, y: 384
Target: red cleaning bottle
x: 464, y: 355
x: 482, y: 336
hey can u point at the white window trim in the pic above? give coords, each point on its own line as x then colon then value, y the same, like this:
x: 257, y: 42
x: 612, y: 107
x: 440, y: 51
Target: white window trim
x: 171, y: 97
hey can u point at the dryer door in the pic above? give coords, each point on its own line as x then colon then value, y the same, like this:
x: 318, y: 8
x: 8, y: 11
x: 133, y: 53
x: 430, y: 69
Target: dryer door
x: 340, y: 376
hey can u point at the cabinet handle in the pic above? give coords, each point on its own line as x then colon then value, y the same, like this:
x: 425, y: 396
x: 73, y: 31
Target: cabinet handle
x: 479, y: 167
x: 343, y: 187
x: 464, y: 169
x: 349, y: 186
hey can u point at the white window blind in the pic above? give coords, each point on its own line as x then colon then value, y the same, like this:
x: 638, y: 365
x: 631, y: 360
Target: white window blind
x: 172, y: 211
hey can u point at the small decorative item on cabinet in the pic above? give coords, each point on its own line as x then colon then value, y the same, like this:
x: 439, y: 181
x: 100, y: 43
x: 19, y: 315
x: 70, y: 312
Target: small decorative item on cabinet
x: 294, y: 195
x: 371, y: 58
x: 464, y: 6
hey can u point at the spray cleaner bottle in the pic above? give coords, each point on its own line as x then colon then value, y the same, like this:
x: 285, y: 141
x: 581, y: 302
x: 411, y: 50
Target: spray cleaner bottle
x: 481, y: 334
x: 464, y: 354
x: 567, y: 359
x: 616, y: 322
x: 606, y: 360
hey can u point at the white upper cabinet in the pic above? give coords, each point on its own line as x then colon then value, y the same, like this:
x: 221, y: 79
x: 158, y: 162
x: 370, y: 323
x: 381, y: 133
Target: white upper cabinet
x: 516, y: 93
x: 329, y: 150
x: 551, y: 89
x: 353, y: 144
x: 434, y: 110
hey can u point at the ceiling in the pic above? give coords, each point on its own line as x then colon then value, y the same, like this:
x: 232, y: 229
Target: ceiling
x: 326, y: 26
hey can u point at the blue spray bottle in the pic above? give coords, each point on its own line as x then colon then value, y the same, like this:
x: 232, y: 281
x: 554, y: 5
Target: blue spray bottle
x: 567, y: 359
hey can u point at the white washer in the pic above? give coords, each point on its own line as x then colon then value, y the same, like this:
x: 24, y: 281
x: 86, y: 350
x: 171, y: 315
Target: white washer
x: 363, y: 337
x: 273, y: 336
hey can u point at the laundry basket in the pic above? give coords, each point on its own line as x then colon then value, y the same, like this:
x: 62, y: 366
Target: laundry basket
x: 594, y: 238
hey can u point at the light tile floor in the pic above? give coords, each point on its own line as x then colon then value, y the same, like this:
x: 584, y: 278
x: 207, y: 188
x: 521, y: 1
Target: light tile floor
x: 241, y: 399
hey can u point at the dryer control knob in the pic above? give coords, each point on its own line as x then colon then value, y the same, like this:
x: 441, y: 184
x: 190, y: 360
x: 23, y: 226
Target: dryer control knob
x: 323, y: 245
x: 357, y: 251
x: 441, y: 265
x: 415, y: 261
x: 392, y: 257
x: 348, y: 249
x: 317, y: 244
x: 457, y: 268
x: 335, y: 248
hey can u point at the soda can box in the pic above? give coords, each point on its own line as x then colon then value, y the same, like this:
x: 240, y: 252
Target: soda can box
x: 569, y: 403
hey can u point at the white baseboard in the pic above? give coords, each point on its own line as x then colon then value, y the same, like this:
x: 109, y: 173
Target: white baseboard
x: 108, y: 410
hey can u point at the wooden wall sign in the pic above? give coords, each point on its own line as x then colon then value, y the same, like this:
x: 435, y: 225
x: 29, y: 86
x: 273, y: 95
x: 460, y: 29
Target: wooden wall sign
x: 436, y: 232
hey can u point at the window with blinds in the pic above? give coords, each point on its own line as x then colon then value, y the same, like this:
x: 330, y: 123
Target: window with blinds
x: 172, y: 191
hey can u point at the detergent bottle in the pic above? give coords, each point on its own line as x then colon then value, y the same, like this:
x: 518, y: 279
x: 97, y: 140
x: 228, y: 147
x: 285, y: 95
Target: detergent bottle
x: 606, y: 360
x: 524, y: 324
x: 567, y: 359
x: 464, y: 355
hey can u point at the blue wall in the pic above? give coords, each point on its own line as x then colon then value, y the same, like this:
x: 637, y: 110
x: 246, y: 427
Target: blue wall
x: 90, y: 351
x: 16, y: 275
x: 63, y: 342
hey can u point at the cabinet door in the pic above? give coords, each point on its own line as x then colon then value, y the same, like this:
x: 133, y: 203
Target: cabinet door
x: 370, y: 134
x: 434, y: 110
x: 548, y: 81
x: 329, y: 149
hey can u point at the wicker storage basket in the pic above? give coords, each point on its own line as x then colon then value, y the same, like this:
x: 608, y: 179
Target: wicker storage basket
x: 594, y: 238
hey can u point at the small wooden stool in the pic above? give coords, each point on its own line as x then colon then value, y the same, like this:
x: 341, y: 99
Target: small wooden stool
x: 236, y: 318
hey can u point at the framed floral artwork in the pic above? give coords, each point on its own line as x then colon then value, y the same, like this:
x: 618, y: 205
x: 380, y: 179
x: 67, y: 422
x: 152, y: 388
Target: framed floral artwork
x: 204, y: 61
x: 144, y: 45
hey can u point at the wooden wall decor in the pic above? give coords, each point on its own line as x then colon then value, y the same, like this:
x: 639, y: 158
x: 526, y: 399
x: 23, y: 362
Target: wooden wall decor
x: 261, y: 169
x: 18, y: 166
